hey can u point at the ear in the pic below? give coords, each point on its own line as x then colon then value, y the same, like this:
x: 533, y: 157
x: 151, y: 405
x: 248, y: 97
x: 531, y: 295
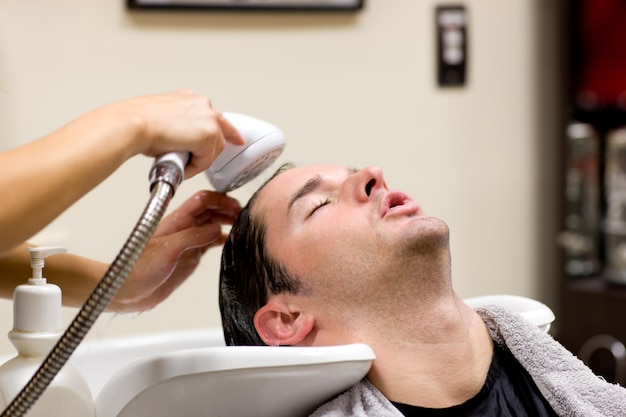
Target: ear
x: 278, y: 324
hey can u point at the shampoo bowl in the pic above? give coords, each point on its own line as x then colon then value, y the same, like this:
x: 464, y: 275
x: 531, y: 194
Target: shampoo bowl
x: 192, y: 373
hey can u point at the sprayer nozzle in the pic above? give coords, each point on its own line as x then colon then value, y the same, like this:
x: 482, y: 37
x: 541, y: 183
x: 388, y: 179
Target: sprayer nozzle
x: 236, y: 165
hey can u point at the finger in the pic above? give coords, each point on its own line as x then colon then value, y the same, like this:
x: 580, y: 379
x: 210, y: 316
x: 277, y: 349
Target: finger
x: 188, y: 262
x: 230, y: 132
x: 194, y: 237
x: 217, y: 202
x: 213, y: 140
x: 214, y: 218
x: 202, y: 207
x: 200, y: 162
x: 221, y: 208
x: 167, y: 254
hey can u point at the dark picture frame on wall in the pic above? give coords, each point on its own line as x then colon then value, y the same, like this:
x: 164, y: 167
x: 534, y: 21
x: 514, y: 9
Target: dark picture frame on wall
x: 248, y: 4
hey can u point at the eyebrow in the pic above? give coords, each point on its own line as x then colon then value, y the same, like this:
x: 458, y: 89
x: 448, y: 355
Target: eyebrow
x: 310, y: 186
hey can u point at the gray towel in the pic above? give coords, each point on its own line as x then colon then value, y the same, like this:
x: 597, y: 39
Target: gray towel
x: 569, y: 386
x: 362, y: 400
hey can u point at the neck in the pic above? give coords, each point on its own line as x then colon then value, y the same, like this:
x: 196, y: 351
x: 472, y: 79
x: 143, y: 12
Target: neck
x: 437, y: 355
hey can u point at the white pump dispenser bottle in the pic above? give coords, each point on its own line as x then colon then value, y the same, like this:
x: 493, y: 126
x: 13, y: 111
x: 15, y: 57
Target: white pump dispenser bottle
x: 37, y: 326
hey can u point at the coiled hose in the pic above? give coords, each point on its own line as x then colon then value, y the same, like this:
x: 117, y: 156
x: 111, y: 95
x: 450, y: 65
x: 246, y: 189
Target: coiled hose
x: 164, y: 180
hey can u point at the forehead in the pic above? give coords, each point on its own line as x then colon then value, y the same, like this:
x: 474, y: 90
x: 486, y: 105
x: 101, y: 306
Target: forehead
x: 278, y: 192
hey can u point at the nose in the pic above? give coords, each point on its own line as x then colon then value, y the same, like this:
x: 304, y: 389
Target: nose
x: 367, y: 181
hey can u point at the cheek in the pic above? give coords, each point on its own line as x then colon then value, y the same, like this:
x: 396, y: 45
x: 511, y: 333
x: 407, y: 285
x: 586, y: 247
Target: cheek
x: 329, y: 245
x: 306, y: 254
x: 327, y: 250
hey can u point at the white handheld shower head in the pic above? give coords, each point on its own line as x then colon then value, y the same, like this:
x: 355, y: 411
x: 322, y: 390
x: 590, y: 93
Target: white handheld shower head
x: 236, y: 165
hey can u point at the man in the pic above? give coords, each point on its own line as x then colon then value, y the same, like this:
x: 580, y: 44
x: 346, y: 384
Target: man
x: 325, y: 255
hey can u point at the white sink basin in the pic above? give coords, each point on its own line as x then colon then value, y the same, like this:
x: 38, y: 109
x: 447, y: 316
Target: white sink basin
x: 193, y: 374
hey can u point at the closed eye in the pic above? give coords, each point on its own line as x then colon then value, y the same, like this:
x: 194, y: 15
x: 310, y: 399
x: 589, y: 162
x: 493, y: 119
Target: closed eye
x: 320, y: 204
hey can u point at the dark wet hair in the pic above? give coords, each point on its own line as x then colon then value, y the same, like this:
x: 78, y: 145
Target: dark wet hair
x: 249, y: 274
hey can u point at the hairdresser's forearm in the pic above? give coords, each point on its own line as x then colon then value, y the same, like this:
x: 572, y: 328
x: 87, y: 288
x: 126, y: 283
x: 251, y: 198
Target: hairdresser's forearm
x: 42, y: 179
x: 77, y: 276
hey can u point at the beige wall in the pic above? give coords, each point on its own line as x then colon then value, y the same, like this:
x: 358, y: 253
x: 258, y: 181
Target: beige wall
x: 347, y: 88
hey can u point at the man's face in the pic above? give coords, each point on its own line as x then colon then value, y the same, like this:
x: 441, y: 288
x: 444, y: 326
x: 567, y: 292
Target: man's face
x: 337, y: 228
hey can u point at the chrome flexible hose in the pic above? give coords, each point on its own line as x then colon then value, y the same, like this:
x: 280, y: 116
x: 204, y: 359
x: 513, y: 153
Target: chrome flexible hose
x: 161, y: 194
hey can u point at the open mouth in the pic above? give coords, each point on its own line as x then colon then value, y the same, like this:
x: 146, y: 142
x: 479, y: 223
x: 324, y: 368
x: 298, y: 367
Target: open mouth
x: 395, y: 202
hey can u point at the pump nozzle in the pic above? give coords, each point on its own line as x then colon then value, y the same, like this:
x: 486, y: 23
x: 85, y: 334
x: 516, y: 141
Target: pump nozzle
x: 37, y: 255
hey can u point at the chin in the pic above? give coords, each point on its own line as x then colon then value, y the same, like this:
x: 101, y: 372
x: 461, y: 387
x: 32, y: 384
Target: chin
x: 430, y: 234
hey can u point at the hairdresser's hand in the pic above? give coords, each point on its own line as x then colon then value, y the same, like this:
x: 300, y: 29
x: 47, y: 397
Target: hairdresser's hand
x: 175, y: 250
x: 181, y: 121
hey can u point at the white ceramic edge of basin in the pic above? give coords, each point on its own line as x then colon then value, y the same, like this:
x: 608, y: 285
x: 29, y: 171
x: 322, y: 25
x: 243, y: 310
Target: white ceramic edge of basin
x: 140, y: 375
x: 532, y: 310
x: 99, y: 359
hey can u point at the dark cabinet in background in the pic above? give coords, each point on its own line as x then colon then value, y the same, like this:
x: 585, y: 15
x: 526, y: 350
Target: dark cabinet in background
x: 592, y: 301
x: 592, y: 325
